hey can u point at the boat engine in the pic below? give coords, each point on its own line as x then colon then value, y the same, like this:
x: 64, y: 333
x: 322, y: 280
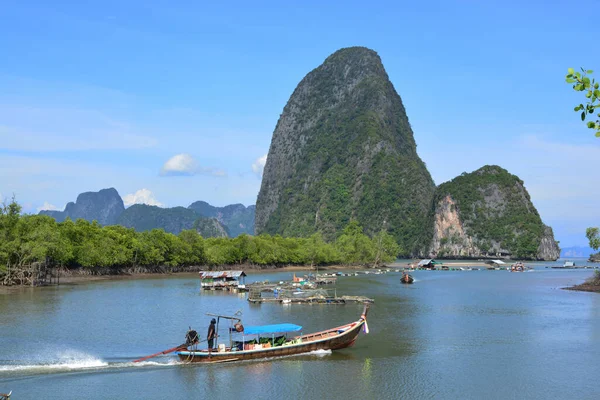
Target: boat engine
x: 191, y: 337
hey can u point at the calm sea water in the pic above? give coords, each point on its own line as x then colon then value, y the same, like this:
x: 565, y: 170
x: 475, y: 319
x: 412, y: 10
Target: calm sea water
x: 451, y: 335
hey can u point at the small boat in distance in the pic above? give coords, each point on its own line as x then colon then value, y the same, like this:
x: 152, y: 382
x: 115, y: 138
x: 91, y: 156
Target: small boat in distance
x: 518, y: 267
x: 267, y: 341
x: 406, y: 278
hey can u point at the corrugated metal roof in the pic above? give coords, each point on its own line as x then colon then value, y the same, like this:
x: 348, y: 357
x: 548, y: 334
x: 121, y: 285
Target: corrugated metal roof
x: 221, y: 274
x: 424, y: 262
x: 497, y: 261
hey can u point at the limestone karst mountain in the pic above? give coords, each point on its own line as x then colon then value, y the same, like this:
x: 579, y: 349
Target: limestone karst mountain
x: 488, y: 213
x: 343, y: 148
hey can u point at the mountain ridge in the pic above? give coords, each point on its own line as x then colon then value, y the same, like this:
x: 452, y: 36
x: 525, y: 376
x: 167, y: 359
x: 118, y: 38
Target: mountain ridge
x: 106, y: 206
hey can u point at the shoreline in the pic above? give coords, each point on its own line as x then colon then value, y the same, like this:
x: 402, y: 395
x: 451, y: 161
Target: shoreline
x: 76, y: 278
x: 584, y: 287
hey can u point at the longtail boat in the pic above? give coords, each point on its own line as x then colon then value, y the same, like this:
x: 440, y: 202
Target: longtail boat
x: 267, y: 341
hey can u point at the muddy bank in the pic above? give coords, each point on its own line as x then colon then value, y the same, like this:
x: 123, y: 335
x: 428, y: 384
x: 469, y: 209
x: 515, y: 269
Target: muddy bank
x: 78, y: 276
x: 585, y: 287
x: 592, y: 284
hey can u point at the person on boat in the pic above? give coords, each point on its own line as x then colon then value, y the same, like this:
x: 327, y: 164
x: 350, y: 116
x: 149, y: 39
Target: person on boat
x: 212, y: 333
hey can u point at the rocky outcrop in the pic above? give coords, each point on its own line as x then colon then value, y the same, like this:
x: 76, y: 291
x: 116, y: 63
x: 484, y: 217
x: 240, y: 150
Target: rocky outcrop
x: 236, y: 217
x: 143, y: 217
x: 210, y: 227
x: 548, y: 249
x: 449, y: 237
x: 488, y: 213
x: 595, y: 258
x: 104, y: 206
x: 343, y: 149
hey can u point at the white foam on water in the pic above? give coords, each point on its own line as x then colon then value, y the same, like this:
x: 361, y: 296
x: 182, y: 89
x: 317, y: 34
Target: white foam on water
x: 73, y: 360
x: 151, y: 363
x: 320, y: 352
x: 67, y: 360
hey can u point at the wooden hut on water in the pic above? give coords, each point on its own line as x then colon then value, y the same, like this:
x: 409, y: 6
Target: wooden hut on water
x: 223, y: 280
x: 495, y: 264
x: 428, y: 264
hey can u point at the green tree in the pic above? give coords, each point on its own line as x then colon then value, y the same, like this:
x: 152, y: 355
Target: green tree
x: 582, y: 83
x: 196, y: 251
x: 386, y: 248
x: 354, y: 246
x: 593, y: 235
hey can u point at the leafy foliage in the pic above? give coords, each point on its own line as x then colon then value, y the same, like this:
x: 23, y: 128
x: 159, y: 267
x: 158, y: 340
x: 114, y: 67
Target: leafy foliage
x: 593, y: 235
x: 582, y: 83
x: 26, y: 239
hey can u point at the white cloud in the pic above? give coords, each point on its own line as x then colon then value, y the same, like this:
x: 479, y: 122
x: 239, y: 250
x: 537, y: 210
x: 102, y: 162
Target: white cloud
x: 259, y: 165
x: 1, y: 198
x: 48, y: 206
x: 142, y: 196
x: 186, y: 165
x: 180, y: 164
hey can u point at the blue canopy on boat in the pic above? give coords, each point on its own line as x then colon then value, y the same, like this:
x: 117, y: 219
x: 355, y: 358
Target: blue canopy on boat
x: 276, y: 328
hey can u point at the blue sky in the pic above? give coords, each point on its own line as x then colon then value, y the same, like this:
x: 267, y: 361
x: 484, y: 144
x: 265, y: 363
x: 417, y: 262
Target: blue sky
x: 172, y: 102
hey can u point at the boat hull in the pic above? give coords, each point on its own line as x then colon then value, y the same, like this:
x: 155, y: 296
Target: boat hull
x: 333, y: 339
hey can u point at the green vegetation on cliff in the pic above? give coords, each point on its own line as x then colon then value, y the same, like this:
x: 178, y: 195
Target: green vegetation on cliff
x: 496, y: 211
x: 343, y: 149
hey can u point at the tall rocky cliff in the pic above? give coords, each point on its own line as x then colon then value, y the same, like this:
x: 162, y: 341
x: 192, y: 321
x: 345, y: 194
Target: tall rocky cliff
x: 343, y: 148
x: 104, y: 206
x: 488, y: 213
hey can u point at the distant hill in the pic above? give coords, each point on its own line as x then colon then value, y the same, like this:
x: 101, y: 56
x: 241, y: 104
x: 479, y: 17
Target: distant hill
x: 143, y: 217
x: 104, y: 206
x: 576, y: 252
x: 210, y: 227
x: 236, y: 217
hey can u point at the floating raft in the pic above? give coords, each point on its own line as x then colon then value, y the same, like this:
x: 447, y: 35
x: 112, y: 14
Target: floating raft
x: 312, y: 300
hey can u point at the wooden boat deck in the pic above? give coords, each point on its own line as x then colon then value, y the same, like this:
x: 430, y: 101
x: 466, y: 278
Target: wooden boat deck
x: 331, y: 339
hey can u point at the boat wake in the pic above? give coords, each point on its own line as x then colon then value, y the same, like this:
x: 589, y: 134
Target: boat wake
x: 74, y: 361
x: 320, y: 352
